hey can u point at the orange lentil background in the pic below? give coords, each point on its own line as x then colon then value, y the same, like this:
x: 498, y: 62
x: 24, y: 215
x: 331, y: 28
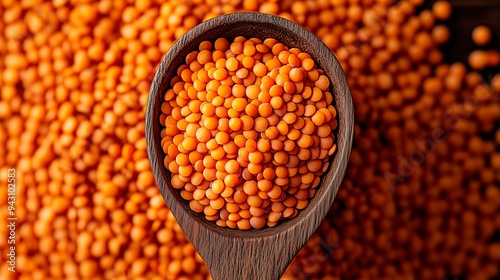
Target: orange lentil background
x: 420, y: 199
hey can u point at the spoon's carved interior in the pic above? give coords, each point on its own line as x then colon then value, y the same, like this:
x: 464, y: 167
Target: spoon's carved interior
x: 261, y: 26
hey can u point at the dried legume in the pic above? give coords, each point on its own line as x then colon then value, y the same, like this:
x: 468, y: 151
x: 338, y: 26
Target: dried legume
x: 440, y: 223
x: 250, y: 119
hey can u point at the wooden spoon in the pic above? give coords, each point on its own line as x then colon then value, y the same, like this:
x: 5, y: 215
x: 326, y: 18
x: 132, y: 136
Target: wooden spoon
x: 253, y: 254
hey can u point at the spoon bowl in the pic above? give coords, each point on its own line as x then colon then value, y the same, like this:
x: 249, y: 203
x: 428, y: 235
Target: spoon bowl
x: 251, y: 254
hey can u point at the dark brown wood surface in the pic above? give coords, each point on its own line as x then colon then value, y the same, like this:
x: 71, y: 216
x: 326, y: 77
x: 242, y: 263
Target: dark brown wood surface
x: 253, y: 254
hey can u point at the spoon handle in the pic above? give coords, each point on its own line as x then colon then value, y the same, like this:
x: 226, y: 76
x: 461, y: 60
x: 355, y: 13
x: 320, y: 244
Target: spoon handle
x: 243, y: 261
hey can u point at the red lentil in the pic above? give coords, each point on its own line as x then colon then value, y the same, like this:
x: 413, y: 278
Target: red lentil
x: 255, y: 130
x: 440, y: 223
x: 481, y: 35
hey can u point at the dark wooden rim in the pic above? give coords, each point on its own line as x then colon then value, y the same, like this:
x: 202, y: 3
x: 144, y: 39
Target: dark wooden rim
x: 252, y: 24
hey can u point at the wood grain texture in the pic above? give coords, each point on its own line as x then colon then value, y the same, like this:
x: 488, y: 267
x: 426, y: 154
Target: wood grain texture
x: 253, y: 254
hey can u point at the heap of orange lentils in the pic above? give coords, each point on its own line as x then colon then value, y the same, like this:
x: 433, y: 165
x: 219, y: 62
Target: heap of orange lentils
x: 74, y: 79
x: 248, y: 131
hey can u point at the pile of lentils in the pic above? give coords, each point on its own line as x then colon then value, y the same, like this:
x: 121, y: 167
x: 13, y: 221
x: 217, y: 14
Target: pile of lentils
x: 420, y: 199
x: 247, y: 131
